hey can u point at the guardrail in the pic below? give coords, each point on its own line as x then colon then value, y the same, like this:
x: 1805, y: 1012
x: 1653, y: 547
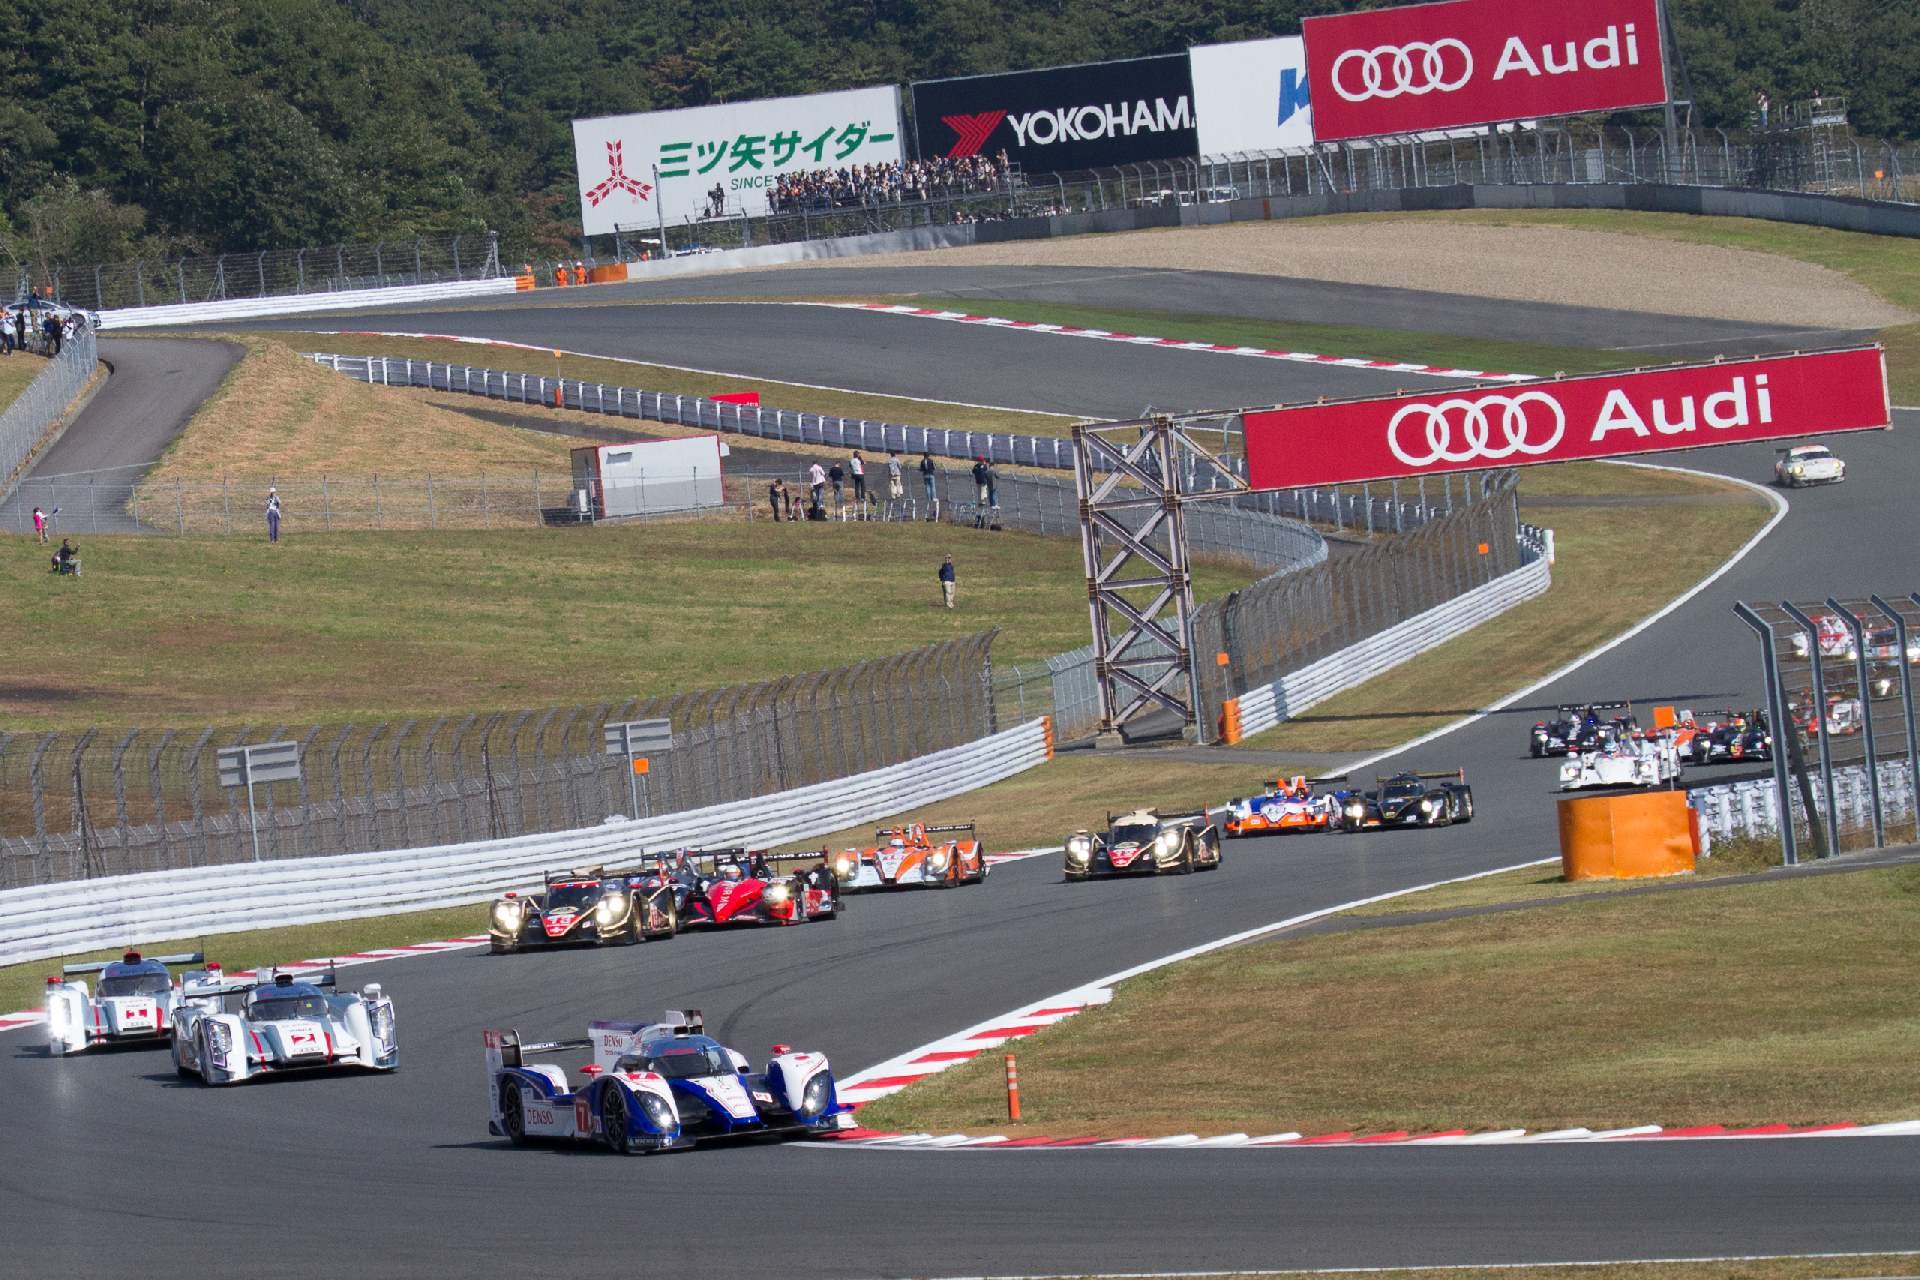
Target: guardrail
x: 1751, y: 808
x: 1262, y: 708
x: 26, y: 421
x: 299, y: 303
x: 54, y: 920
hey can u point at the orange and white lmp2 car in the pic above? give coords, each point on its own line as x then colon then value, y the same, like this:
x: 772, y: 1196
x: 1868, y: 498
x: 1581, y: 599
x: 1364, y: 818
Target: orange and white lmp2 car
x: 1290, y: 806
x: 911, y: 855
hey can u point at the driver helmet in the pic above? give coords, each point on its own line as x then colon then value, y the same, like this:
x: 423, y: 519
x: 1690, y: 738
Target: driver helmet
x: 730, y: 871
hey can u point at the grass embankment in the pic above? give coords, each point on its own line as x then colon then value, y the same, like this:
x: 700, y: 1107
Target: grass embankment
x: 1399, y: 345
x: 1602, y: 1012
x: 1783, y: 1267
x: 1601, y: 555
x: 16, y: 371
x: 673, y: 380
x: 1887, y: 265
x: 171, y: 630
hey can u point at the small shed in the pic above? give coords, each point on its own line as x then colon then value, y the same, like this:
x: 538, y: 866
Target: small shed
x: 647, y: 477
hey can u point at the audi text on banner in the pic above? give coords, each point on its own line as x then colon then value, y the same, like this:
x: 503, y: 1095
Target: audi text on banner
x: 1062, y: 118
x: 1605, y: 415
x: 1473, y: 62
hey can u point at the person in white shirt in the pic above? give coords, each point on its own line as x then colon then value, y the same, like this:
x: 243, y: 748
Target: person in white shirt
x: 817, y: 480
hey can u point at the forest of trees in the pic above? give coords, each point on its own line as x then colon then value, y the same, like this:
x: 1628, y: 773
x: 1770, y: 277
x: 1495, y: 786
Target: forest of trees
x: 166, y: 126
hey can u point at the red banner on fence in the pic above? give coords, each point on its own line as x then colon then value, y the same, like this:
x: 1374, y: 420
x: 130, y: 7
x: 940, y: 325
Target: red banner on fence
x: 1474, y: 62
x: 1604, y: 415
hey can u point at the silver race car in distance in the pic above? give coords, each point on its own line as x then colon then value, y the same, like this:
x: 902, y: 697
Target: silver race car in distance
x: 132, y: 1002
x: 283, y: 1022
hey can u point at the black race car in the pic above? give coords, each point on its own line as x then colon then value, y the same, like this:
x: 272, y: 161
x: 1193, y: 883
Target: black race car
x: 1410, y: 800
x: 1581, y: 726
x: 1744, y: 738
x: 581, y: 907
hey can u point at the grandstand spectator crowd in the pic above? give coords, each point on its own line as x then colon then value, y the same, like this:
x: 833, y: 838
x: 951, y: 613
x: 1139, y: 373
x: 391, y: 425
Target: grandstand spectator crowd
x: 872, y: 184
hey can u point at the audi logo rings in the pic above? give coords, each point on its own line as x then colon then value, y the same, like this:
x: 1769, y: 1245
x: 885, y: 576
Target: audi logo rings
x: 1520, y: 418
x: 1390, y: 71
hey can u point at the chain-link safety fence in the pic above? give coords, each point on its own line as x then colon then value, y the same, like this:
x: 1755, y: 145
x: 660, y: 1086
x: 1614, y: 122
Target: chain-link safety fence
x: 25, y: 422
x: 100, y: 802
x: 340, y: 268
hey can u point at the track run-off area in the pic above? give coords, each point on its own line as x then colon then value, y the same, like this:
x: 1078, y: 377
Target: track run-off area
x: 118, y: 1160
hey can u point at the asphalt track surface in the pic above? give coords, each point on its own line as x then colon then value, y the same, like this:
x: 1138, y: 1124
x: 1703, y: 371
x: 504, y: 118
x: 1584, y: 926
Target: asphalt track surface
x: 399, y: 1173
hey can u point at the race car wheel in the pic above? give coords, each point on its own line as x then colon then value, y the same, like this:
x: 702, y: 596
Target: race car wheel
x: 180, y: 1067
x: 1186, y: 862
x: 1466, y: 807
x: 613, y: 1119
x: 513, y: 1113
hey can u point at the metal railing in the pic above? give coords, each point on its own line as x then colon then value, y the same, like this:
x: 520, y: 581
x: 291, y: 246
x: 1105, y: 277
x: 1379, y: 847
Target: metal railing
x: 271, y: 273
x: 26, y: 421
x: 99, y: 802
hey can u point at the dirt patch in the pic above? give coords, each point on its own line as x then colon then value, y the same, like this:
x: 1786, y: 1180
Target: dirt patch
x: 1538, y: 264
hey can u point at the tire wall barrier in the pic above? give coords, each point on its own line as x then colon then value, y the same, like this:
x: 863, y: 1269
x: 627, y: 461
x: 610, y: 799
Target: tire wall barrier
x: 61, y: 919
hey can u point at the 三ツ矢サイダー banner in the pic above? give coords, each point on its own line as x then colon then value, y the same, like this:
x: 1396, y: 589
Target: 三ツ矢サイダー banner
x: 636, y: 171
x: 1474, y: 62
x: 1062, y: 118
x: 1605, y: 415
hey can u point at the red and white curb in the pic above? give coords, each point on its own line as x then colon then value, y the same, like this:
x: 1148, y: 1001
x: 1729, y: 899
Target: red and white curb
x: 1179, y: 344
x: 1444, y: 1138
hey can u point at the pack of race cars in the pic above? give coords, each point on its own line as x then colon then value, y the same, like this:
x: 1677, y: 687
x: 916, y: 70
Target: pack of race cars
x: 1603, y: 745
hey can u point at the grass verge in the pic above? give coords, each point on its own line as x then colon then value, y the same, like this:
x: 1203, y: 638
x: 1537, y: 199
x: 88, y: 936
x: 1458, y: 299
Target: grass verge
x: 1600, y: 553
x: 191, y: 629
x: 676, y: 381
x: 1399, y: 345
x: 16, y: 371
x: 22, y: 985
x: 1602, y: 1012
x: 1846, y: 1266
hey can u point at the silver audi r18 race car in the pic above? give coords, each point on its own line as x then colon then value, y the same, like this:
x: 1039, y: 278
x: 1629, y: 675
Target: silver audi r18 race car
x: 132, y: 1002
x: 283, y: 1022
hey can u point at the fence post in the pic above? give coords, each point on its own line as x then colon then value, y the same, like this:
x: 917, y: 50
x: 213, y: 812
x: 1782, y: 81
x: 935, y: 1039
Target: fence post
x: 433, y: 514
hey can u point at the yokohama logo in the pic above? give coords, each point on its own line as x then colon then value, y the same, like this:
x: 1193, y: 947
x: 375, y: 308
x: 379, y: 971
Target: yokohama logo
x: 617, y: 179
x: 971, y: 132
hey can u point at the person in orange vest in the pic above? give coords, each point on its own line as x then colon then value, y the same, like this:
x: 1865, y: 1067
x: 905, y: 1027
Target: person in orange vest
x: 560, y: 274
x: 579, y: 272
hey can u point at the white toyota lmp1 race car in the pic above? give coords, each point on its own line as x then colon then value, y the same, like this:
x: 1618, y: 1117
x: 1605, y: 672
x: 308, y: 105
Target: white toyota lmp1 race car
x: 657, y: 1086
x: 133, y: 1002
x: 284, y: 1022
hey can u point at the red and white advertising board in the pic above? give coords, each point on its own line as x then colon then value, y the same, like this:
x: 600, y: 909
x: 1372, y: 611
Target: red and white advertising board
x: 1604, y: 415
x: 1474, y: 62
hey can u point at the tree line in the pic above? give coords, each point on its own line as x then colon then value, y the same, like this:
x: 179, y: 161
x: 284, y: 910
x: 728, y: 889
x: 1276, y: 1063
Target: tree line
x: 158, y: 127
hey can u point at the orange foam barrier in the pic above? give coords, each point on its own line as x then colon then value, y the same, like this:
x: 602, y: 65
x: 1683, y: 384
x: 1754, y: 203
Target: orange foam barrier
x: 1621, y: 837
x: 1230, y: 731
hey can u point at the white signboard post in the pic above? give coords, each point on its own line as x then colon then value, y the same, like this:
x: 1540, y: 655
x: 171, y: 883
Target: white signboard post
x: 662, y: 166
x: 1251, y: 96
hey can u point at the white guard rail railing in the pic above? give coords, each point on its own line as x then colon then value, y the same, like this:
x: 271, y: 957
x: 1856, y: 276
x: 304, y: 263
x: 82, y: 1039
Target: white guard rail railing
x: 299, y: 303
x: 1731, y: 810
x: 84, y: 915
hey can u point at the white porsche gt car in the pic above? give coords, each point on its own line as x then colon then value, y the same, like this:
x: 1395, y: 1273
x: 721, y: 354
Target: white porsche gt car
x: 1628, y: 763
x: 1807, y: 464
x: 284, y: 1022
x: 133, y: 1001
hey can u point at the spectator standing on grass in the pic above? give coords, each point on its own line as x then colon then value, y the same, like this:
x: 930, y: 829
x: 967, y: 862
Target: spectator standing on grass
x: 774, y: 491
x: 40, y: 525
x: 993, y: 487
x: 817, y: 479
x: 946, y: 581
x: 980, y: 492
x: 273, y: 514
x: 895, y: 490
x: 859, y: 469
x: 927, y: 470
x: 837, y: 475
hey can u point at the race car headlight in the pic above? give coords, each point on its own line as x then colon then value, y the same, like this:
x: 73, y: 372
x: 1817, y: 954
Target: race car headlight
x: 815, y: 1097
x: 381, y: 1020
x: 1797, y: 469
x: 1167, y: 841
x: 778, y: 893
x: 1356, y: 810
x: 508, y: 916
x: 658, y: 1113
x: 610, y: 908
x: 937, y: 860
x: 1080, y: 849
x: 221, y: 1035
x: 1426, y: 806
x: 845, y: 866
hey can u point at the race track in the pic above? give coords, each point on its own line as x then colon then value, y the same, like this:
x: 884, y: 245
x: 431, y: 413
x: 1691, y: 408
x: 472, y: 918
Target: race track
x: 396, y: 1176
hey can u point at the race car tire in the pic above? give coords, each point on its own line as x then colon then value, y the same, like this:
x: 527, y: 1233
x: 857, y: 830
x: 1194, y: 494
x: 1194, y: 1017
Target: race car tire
x: 513, y: 1113
x: 1186, y: 862
x: 1466, y: 807
x: 500, y: 948
x: 1537, y: 750
x: 180, y: 1068
x: 613, y: 1119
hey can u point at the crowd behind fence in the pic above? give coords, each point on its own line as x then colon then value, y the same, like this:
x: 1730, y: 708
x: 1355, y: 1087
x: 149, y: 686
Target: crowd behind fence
x: 75, y: 805
x: 26, y: 421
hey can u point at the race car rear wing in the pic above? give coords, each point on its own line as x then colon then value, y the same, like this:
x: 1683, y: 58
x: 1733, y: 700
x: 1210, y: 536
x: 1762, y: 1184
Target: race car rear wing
x: 225, y: 986
x: 133, y: 957
x: 504, y: 1048
x: 886, y: 833
x: 1193, y: 815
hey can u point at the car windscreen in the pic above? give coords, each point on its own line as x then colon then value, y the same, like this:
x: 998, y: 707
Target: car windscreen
x: 1407, y: 790
x: 134, y: 984
x: 572, y: 897
x: 681, y: 1062
x: 287, y: 1008
x: 1135, y: 833
x: 1813, y: 455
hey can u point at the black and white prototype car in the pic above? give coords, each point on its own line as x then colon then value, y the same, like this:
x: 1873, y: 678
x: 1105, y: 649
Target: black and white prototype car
x: 589, y: 907
x: 1410, y: 800
x: 230, y: 1030
x: 1145, y: 842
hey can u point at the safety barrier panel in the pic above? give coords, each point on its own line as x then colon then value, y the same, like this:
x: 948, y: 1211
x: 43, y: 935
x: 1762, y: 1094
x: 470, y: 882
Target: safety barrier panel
x: 83, y: 915
x: 299, y: 303
x: 1262, y: 708
x: 1751, y: 808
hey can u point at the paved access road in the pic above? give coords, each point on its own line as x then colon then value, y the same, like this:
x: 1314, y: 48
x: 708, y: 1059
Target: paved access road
x: 397, y: 1174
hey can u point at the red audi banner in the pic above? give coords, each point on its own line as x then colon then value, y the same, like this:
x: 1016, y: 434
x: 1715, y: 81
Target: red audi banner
x: 1603, y: 415
x: 1474, y: 62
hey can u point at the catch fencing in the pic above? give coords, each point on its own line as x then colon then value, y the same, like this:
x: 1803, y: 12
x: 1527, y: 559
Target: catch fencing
x: 275, y: 273
x: 111, y: 802
x: 25, y: 422
x: 41, y: 921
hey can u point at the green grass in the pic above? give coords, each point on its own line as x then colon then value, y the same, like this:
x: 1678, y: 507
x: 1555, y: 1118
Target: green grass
x: 1782, y: 1267
x: 1602, y: 1012
x: 171, y: 630
x: 16, y: 371
x: 1400, y: 345
x: 1601, y: 555
x: 22, y: 985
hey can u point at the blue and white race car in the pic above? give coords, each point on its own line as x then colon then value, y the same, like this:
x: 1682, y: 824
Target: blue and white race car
x: 132, y: 1002
x: 657, y: 1086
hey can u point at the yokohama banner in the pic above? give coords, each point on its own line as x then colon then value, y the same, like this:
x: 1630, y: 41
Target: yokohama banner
x: 1605, y: 415
x: 1062, y: 118
x: 1473, y: 62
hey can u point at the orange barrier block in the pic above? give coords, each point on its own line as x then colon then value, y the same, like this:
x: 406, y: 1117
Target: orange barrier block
x: 523, y: 283
x: 1046, y: 730
x: 1230, y: 732
x: 1648, y: 833
x: 613, y: 273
